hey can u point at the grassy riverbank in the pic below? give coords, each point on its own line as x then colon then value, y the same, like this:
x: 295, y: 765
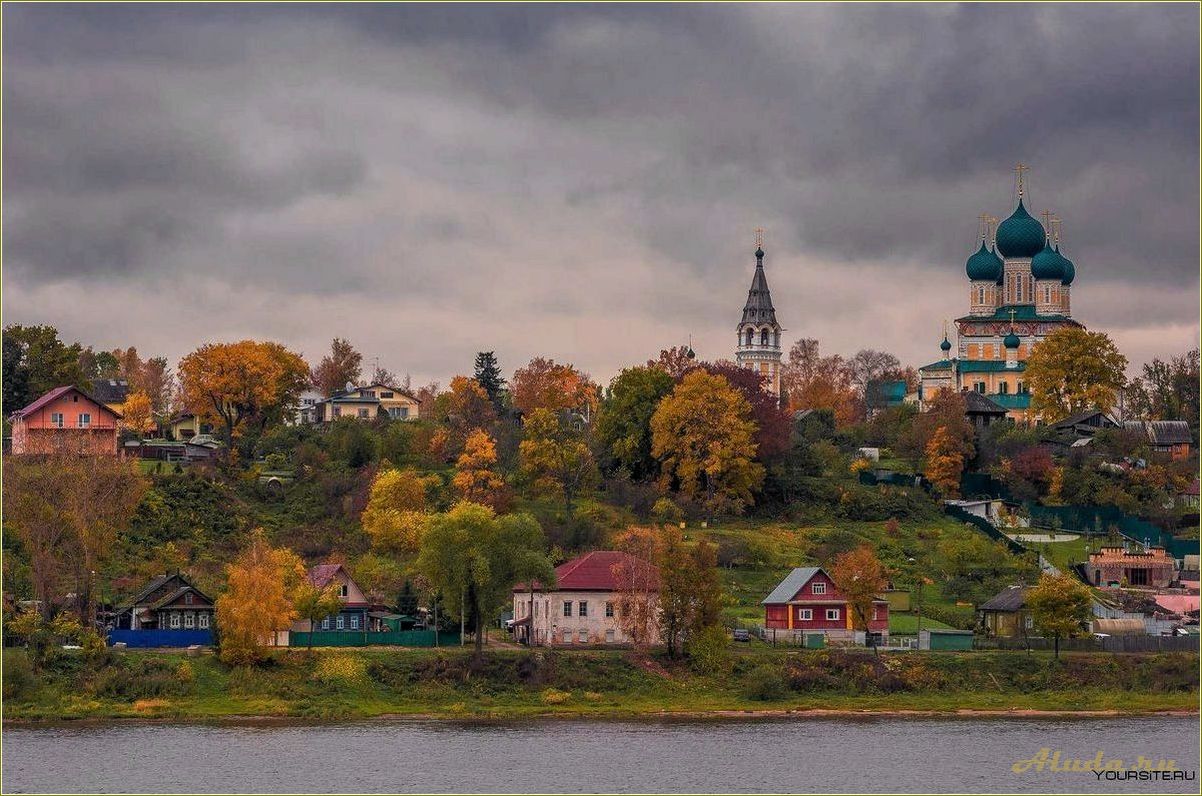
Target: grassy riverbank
x: 342, y: 684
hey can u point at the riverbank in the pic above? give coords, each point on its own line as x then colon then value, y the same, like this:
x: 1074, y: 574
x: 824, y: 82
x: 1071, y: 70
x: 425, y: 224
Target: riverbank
x: 516, y: 684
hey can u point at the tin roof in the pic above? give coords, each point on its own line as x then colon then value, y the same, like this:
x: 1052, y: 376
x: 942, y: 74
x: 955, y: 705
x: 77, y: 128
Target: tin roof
x: 56, y: 393
x: 787, y: 589
x: 597, y: 571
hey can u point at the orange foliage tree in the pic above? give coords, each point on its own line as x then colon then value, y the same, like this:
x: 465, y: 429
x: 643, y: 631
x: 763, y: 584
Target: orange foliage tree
x: 860, y: 577
x: 236, y: 383
x: 476, y: 480
x: 137, y: 413
x: 546, y: 384
x: 257, y: 603
x: 811, y: 381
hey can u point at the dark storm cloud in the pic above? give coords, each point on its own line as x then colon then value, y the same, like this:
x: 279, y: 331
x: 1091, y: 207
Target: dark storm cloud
x: 416, y: 151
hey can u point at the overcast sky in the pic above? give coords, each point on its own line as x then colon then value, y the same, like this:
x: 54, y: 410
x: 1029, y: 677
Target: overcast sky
x: 583, y: 182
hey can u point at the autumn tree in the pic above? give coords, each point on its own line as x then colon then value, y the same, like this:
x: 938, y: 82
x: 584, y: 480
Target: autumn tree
x: 488, y: 375
x: 237, y: 384
x: 674, y: 361
x: 1060, y: 606
x: 860, y: 578
x: 690, y: 592
x: 466, y: 406
x: 704, y: 436
x: 137, y: 414
x: 395, y: 515
x: 258, y: 601
x: 945, y: 409
x: 476, y: 479
x: 1168, y: 391
x: 314, y: 603
x: 474, y: 558
x: 156, y: 381
x: 774, y: 424
x: 944, y: 462
x: 340, y: 367
x: 546, y: 384
x: 380, y: 576
x: 812, y: 381
x: 623, y: 424
x: 556, y: 453
x: 636, y: 576
x: 1072, y: 370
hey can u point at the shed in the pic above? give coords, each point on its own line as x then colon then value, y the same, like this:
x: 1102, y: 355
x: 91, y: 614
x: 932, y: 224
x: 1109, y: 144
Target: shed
x: 945, y: 640
x: 1119, y: 627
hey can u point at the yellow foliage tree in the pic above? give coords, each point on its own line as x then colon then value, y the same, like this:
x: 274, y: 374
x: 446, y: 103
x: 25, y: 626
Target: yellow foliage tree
x: 704, y: 435
x: 137, y: 413
x: 1073, y: 370
x: 396, y: 510
x: 233, y: 383
x: 258, y: 601
x: 556, y: 453
x: 1060, y: 606
x: 476, y: 480
x: 945, y: 461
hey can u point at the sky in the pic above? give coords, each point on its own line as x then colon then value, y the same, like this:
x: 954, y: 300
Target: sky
x: 583, y: 182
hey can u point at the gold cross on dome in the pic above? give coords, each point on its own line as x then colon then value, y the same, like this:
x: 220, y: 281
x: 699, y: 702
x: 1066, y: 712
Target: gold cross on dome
x: 984, y: 225
x: 1020, y: 169
x: 759, y: 237
x: 1056, y: 229
x: 1011, y: 319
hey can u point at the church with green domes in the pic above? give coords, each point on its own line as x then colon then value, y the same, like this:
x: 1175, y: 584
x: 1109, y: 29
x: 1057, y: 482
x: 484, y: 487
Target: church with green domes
x: 1019, y: 290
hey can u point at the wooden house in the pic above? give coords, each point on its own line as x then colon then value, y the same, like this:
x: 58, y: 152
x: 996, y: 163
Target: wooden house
x: 65, y: 420
x: 807, y: 600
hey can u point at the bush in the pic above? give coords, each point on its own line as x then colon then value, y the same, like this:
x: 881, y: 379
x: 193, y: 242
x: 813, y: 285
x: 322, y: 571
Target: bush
x: 709, y: 651
x: 666, y: 511
x: 553, y: 696
x: 340, y: 669
x: 138, y: 678
x: 19, y: 677
x: 765, y: 684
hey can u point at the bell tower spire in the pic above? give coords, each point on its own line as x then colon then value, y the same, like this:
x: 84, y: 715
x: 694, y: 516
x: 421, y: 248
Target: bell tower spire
x: 758, y: 343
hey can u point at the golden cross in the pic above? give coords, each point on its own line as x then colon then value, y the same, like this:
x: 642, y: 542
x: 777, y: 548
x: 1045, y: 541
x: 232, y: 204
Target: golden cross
x: 1056, y: 229
x: 1020, y: 169
x: 1011, y: 319
x: 759, y: 237
x: 984, y: 225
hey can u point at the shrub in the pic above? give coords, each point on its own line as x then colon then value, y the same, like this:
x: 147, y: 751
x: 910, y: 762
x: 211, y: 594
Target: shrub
x: 340, y: 669
x: 553, y: 696
x: 709, y: 651
x: 666, y: 511
x: 19, y: 677
x: 765, y: 684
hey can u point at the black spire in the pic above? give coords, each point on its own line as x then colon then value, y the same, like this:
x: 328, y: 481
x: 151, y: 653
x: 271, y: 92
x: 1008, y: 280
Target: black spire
x: 758, y: 308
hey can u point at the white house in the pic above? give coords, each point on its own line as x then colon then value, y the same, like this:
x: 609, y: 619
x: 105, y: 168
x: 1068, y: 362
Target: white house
x: 585, y: 605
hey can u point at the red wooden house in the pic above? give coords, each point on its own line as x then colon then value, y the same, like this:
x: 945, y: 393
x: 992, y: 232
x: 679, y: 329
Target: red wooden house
x: 65, y: 420
x: 807, y: 601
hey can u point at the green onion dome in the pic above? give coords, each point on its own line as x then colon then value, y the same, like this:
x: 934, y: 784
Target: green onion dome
x: 1070, y: 270
x: 945, y: 346
x: 1020, y: 235
x: 984, y: 265
x: 1047, y: 264
x: 1011, y: 340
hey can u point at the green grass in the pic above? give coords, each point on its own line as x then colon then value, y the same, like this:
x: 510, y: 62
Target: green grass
x: 1062, y: 554
x: 362, y: 683
x: 907, y: 623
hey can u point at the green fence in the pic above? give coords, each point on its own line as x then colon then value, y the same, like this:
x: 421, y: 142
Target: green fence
x: 398, y: 638
x: 1099, y: 520
x: 973, y: 485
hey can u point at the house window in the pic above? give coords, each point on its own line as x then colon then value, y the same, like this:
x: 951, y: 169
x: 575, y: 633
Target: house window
x: 56, y: 419
x: 1029, y: 623
x: 189, y: 620
x: 818, y: 588
x: 1004, y: 388
x: 203, y: 621
x: 404, y: 413
x: 980, y: 295
x: 609, y: 610
x: 567, y: 636
x: 355, y: 622
x: 806, y: 614
x: 175, y: 620
x: 340, y: 622
x: 1047, y: 295
x: 567, y: 607
x: 385, y: 395
x: 188, y: 598
x: 832, y: 614
x: 85, y: 419
x: 764, y: 337
x: 582, y: 636
x: 325, y: 623
x: 609, y: 636
x: 342, y: 591
x: 536, y: 610
x: 980, y: 387
x: 363, y: 414
x: 1022, y: 388
x: 583, y: 608
x: 337, y: 411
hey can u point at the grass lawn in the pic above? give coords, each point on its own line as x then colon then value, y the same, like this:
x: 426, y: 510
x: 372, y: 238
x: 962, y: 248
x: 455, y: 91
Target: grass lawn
x: 907, y: 623
x: 1062, y: 554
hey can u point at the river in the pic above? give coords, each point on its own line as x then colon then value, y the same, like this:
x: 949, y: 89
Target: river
x: 831, y: 755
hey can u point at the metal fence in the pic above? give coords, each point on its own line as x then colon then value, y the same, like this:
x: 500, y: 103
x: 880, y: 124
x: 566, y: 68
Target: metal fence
x: 1093, y: 644
x: 395, y: 638
x: 161, y: 638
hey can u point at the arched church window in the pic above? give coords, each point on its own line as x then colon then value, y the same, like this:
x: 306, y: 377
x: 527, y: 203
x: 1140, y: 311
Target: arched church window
x: 750, y: 332
x: 1004, y: 388
x: 764, y: 337
x: 980, y: 295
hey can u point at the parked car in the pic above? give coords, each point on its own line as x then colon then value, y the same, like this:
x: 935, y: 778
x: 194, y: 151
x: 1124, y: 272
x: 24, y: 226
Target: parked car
x: 741, y: 635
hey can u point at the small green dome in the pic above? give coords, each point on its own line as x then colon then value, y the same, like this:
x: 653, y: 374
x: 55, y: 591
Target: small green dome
x: 1020, y: 235
x: 1047, y: 264
x: 1070, y: 270
x: 945, y: 346
x: 984, y: 265
x: 1011, y: 340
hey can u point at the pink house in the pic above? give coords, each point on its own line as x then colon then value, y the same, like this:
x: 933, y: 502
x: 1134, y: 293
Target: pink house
x: 65, y: 420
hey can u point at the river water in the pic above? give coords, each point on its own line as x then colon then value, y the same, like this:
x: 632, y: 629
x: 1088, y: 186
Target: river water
x: 831, y: 755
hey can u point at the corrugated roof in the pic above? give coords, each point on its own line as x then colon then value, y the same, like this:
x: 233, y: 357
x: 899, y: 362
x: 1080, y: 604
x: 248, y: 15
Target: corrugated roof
x: 787, y: 589
x: 942, y: 364
x: 322, y: 574
x: 976, y: 402
x: 110, y: 391
x: 1020, y: 400
x: 988, y: 366
x: 597, y: 571
x: 54, y: 394
x: 1012, y: 599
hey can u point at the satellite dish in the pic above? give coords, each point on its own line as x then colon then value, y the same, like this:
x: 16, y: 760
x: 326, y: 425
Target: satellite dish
x: 350, y: 386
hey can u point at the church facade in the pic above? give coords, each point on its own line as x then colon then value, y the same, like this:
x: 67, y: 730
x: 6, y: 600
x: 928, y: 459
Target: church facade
x: 1018, y: 293
x: 758, y: 344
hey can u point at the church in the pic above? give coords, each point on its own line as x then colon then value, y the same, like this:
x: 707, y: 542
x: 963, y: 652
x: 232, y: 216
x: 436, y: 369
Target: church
x: 1019, y: 292
x: 758, y: 344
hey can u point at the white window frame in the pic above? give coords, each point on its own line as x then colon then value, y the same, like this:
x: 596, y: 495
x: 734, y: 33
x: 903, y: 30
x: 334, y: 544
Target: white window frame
x: 566, y: 636
x: 325, y: 623
x: 832, y: 614
x: 202, y: 621
x: 610, y: 636
x: 340, y: 622
x: 84, y: 420
x: 818, y: 588
x: 582, y: 636
x: 355, y: 622
x: 582, y: 608
x: 342, y: 590
x: 174, y: 620
x: 609, y: 610
x: 57, y: 420
x: 567, y: 607
x: 807, y: 614
x: 189, y: 620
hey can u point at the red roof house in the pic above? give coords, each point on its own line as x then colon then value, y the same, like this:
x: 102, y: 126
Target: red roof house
x: 65, y: 420
x: 807, y: 600
x: 352, y: 617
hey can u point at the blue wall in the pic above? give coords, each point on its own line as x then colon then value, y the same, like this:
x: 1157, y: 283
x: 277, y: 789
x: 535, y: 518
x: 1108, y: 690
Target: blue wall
x: 162, y: 638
